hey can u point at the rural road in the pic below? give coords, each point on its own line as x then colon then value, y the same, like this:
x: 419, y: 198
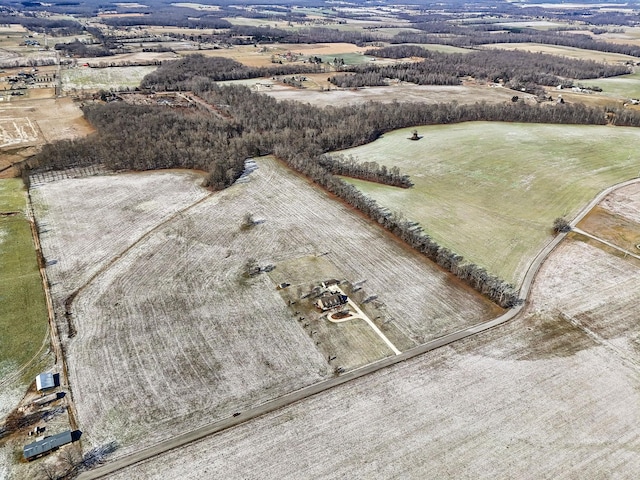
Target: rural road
x: 283, y: 401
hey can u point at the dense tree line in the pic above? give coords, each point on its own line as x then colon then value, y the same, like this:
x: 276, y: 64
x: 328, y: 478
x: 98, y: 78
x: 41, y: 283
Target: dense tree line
x: 515, y: 69
x: 249, y: 35
x: 148, y: 138
x: 50, y: 26
x: 176, y: 74
x: 370, y: 171
x: 79, y: 49
x: 469, y: 37
x: 185, y: 18
x: 350, y: 80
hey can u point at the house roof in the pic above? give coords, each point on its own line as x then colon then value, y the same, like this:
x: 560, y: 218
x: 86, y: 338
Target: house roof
x: 332, y: 301
x: 47, y: 444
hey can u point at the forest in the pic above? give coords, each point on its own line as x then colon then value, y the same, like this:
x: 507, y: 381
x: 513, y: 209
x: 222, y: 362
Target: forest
x: 523, y: 71
x: 182, y: 73
x: 44, y: 25
x: 250, y: 124
x: 472, y: 36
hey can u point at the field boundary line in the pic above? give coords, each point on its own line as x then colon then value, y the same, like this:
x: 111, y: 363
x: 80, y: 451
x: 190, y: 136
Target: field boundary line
x: 604, y: 242
x: 54, y: 334
x: 303, y: 393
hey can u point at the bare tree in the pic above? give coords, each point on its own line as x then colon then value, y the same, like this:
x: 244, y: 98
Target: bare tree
x: 70, y: 459
x: 49, y: 472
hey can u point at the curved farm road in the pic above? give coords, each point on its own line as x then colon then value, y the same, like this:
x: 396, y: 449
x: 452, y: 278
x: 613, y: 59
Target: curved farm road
x: 215, y: 427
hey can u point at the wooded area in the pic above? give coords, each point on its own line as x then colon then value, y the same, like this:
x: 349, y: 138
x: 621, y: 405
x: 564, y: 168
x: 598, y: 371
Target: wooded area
x: 523, y: 71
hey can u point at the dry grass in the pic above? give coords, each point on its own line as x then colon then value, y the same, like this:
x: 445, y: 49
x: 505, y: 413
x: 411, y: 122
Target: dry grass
x: 524, y: 400
x: 94, y: 79
x: 571, y: 52
x: 260, y: 56
x: 177, y: 335
x: 29, y: 123
x: 400, y: 93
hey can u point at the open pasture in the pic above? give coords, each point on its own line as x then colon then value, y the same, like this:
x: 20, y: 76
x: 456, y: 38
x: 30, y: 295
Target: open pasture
x: 86, y: 78
x: 531, y: 396
x: 170, y: 323
x: 395, y: 93
x: 23, y: 313
x: 261, y: 56
x: 572, y: 52
x: 622, y: 87
x: 490, y: 191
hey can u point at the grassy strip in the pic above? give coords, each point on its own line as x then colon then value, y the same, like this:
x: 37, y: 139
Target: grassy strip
x: 23, y: 313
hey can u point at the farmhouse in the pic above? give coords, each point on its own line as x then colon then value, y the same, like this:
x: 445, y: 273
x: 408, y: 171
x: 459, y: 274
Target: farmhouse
x: 331, y: 301
x: 45, y: 381
x: 42, y: 447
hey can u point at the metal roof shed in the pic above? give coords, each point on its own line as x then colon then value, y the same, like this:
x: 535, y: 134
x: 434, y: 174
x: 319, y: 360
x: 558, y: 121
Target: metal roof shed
x: 45, y: 381
x: 41, y: 447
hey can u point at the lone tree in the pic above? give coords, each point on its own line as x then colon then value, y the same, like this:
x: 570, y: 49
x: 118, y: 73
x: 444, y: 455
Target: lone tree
x: 561, y: 225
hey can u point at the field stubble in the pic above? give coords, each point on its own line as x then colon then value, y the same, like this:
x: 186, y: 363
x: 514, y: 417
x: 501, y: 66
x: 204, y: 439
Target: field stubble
x: 530, y: 396
x: 172, y: 335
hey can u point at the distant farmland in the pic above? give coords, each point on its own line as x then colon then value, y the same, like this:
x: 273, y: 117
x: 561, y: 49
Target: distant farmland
x: 175, y: 330
x: 86, y: 78
x: 490, y: 191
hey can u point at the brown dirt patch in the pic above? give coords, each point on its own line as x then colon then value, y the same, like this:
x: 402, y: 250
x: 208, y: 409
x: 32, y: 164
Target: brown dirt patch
x: 612, y: 227
x: 29, y: 123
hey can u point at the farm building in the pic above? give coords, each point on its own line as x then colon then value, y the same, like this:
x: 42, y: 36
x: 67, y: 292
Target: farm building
x: 45, y: 381
x: 42, y: 447
x: 331, y: 301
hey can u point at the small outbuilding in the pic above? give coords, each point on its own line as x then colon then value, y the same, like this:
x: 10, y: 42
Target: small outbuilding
x: 46, y: 445
x: 331, y: 301
x: 45, y: 381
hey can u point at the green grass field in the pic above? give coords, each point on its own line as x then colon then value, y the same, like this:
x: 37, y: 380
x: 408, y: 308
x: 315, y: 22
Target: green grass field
x: 23, y: 312
x: 624, y: 86
x: 490, y: 191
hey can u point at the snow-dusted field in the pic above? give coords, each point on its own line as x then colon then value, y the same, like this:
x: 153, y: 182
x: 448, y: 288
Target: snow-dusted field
x: 625, y: 202
x: 539, y: 397
x: 170, y: 334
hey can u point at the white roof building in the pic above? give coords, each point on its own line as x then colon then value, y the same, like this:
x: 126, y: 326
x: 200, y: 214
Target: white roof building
x: 44, y: 381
